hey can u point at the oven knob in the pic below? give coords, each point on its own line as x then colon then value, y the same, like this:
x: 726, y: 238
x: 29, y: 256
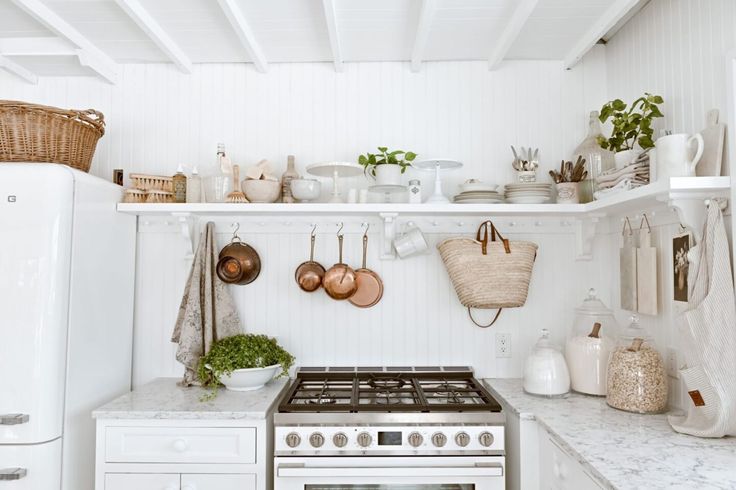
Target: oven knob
x: 340, y: 439
x: 293, y: 439
x: 364, y: 439
x: 316, y: 439
x: 462, y: 439
x: 439, y: 439
x: 415, y: 439
x: 485, y: 439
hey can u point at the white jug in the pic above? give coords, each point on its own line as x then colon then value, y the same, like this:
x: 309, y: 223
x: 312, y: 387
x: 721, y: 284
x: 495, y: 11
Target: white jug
x: 676, y: 157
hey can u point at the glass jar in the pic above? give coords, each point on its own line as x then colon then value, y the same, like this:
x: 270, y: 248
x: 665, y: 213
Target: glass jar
x: 589, y: 346
x: 637, y: 381
x: 597, y: 160
x: 218, y: 183
x: 545, y: 370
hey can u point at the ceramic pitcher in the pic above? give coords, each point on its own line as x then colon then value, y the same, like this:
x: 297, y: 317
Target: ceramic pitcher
x: 678, y: 155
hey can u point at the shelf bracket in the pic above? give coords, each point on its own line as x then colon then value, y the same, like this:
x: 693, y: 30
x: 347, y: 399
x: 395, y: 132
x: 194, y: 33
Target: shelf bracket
x: 186, y: 224
x: 691, y: 210
x: 584, y: 237
x: 388, y: 234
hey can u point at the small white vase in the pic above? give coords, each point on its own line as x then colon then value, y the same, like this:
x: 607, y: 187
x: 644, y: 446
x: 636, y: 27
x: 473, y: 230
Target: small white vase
x: 625, y: 157
x: 388, y: 174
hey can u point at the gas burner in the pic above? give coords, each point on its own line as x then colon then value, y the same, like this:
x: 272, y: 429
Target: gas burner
x: 392, y: 383
x: 322, y: 400
x: 447, y: 396
x: 387, y: 398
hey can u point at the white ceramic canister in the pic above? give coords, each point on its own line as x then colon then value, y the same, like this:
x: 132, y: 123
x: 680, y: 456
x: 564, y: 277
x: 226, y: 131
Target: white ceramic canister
x: 545, y: 370
x: 587, y: 359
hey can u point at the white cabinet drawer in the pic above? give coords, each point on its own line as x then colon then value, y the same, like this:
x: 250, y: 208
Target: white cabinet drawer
x: 180, y: 445
x: 218, y: 482
x: 559, y: 470
x: 130, y: 481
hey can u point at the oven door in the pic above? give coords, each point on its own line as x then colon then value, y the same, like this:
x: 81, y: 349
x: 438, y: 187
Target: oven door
x: 390, y: 473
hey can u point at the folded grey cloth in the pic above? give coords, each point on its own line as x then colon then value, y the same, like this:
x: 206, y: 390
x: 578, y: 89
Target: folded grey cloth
x: 207, y: 311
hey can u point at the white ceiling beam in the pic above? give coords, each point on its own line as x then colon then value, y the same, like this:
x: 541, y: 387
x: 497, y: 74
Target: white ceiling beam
x: 36, y: 46
x: 156, y: 33
x: 18, y: 70
x: 331, y: 21
x: 511, y: 32
x: 613, y: 14
x: 245, y: 34
x: 426, y: 14
x: 99, y: 61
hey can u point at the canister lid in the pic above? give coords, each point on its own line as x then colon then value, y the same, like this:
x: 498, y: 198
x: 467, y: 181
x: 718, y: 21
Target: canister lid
x: 593, y: 306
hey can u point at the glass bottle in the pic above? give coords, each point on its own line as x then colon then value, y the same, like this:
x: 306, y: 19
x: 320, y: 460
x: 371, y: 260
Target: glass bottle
x: 179, y: 182
x: 637, y: 381
x: 597, y: 160
x: 218, y: 183
x: 194, y: 186
x: 286, y: 179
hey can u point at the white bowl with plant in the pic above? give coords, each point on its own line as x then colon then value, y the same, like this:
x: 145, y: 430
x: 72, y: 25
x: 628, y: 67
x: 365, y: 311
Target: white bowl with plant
x: 631, y: 128
x: 244, y: 362
x: 386, y: 167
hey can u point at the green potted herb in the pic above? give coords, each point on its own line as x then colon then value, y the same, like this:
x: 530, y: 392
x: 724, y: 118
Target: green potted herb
x: 387, y: 166
x: 631, y: 127
x: 244, y: 362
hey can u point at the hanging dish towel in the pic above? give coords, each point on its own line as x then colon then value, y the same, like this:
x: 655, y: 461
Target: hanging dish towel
x: 708, y: 333
x: 207, y: 311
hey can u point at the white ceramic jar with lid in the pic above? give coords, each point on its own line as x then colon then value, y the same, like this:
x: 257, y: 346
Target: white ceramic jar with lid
x: 545, y: 370
x: 637, y: 381
x: 589, y: 346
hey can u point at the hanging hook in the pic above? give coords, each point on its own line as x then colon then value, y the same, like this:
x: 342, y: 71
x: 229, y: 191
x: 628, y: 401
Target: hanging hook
x: 367, y: 227
x: 314, y: 229
x: 644, y: 219
x: 627, y: 222
x: 339, y: 230
x: 235, y: 237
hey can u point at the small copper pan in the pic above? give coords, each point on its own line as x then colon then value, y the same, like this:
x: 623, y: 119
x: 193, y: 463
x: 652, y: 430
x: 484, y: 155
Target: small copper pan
x: 309, y: 274
x: 340, y: 281
x: 370, y: 285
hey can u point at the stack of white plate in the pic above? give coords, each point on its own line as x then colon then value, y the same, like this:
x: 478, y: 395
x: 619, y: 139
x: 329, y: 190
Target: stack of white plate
x: 528, y: 193
x: 474, y: 192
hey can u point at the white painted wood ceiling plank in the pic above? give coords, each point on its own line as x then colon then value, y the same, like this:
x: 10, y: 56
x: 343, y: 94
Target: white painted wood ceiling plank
x: 424, y: 24
x: 511, y: 32
x: 333, y: 33
x: 18, y: 70
x: 245, y: 34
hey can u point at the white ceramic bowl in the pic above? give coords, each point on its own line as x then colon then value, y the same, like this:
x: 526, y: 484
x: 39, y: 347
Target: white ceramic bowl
x: 250, y: 379
x: 261, y: 190
x: 305, y: 189
x: 477, y: 186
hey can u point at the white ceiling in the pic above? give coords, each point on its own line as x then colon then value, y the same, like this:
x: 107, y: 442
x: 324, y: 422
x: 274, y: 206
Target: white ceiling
x: 201, y: 31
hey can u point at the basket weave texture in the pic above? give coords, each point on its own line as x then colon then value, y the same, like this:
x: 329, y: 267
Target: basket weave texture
x: 494, y: 280
x: 37, y: 133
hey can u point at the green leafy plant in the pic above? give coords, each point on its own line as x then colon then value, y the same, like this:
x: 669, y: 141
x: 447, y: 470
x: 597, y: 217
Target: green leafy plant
x: 398, y: 157
x: 242, y: 351
x: 630, y: 126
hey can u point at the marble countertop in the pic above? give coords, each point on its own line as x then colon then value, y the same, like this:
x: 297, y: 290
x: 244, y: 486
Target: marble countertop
x: 162, y: 398
x: 624, y: 450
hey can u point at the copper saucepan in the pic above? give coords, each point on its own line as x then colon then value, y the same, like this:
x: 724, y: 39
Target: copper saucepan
x: 340, y: 281
x: 238, y: 262
x: 370, y: 285
x: 309, y: 274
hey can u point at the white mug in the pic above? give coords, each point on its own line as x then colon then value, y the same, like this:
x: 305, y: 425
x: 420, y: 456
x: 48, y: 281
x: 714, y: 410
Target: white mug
x: 411, y: 242
x: 675, y: 155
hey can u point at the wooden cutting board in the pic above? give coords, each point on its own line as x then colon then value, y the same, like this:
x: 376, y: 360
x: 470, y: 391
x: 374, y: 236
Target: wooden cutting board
x: 713, y: 136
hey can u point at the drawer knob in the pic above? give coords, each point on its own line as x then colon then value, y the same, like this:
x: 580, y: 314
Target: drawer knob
x: 181, y: 445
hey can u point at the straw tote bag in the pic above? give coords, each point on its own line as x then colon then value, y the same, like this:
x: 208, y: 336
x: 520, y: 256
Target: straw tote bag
x: 489, y: 274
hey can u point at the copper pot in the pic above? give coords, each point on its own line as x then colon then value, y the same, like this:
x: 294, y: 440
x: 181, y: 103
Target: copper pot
x: 309, y: 274
x: 340, y: 281
x: 370, y: 285
x: 238, y: 263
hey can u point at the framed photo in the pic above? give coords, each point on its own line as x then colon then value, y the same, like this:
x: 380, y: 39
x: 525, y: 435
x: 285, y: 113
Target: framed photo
x: 680, y: 266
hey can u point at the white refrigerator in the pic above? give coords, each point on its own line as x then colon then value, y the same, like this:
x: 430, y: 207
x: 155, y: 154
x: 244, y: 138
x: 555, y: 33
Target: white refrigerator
x: 67, y: 264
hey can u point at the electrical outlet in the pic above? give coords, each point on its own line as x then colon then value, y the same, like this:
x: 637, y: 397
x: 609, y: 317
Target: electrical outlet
x: 672, y: 363
x: 503, y: 345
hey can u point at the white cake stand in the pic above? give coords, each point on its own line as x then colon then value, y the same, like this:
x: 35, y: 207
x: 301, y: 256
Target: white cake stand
x: 387, y: 190
x: 335, y: 170
x: 437, y: 164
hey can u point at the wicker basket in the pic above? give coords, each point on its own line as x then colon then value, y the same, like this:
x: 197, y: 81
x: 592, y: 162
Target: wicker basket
x: 37, y: 133
x: 489, y: 274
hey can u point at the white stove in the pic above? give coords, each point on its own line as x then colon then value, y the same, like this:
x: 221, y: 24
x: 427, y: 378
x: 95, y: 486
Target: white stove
x: 423, y: 428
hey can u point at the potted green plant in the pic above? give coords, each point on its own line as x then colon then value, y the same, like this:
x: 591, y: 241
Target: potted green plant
x: 244, y: 362
x: 631, y: 127
x: 386, y: 166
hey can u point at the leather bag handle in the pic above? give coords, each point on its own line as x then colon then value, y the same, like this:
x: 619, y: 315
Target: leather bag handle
x: 470, y: 314
x: 494, y: 232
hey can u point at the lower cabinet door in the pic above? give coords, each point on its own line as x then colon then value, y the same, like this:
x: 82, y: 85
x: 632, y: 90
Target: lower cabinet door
x: 142, y: 481
x: 218, y: 482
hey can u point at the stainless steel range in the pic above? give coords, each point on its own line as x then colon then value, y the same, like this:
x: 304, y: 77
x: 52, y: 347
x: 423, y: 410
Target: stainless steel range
x: 407, y: 428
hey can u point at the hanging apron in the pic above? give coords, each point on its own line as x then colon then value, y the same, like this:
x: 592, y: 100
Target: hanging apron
x: 708, y: 338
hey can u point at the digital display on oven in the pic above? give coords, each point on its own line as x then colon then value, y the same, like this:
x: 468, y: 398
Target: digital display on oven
x: 389, y: 438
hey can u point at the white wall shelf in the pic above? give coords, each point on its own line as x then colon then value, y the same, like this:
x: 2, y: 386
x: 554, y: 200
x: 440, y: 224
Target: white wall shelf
x: 686, y: 195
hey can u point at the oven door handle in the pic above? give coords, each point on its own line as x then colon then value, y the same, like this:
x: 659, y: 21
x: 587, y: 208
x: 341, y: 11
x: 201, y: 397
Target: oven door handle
x: 299, y: 470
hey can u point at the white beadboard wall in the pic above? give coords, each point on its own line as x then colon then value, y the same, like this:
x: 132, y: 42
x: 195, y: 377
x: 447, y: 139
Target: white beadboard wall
x: 158, y: 118
x: 678, y: 49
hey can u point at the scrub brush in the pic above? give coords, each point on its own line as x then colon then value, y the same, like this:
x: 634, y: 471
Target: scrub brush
x: 236, y: 196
